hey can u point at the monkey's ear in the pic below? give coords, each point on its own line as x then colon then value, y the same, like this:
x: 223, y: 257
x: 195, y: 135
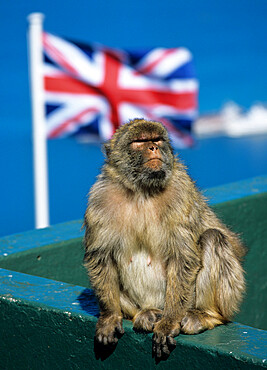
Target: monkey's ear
x: 107, y: 149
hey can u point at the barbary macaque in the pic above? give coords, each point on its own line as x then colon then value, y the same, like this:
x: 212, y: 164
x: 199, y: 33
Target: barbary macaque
x: 155, y: 252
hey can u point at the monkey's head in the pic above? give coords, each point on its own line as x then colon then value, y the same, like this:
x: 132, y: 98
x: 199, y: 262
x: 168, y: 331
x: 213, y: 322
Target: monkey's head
x: 140, y: 156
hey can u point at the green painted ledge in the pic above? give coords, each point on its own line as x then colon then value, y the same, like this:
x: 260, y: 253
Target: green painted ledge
x: 48, y: 314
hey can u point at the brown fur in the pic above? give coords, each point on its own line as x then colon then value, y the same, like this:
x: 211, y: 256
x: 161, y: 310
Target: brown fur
x: 155, y: 252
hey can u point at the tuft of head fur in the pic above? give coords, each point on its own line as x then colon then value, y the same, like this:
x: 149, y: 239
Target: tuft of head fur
x: 126, y: 165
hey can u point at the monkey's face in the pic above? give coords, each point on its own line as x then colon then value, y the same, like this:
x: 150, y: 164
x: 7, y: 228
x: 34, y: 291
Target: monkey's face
x: 149, y: 146
x: 142, y: 154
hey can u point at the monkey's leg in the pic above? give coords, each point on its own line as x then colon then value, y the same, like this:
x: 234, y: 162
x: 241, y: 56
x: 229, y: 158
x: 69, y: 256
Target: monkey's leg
x: 181, y: 277
x: 219, y: 284
x: 144, y: 320
x: 104, y: 280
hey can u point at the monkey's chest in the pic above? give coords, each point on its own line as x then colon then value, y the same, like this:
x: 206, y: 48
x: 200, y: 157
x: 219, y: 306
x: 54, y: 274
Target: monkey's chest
x: 143, y: 278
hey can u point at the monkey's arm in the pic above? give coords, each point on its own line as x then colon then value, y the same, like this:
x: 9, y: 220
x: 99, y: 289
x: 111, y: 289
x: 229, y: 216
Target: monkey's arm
x: 179, y: 297
x: 104, y: 280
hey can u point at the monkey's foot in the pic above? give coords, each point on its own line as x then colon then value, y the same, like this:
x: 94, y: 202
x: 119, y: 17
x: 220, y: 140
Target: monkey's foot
x: 109, y: 329
x: 196, y: 322
x: 163, y: 342
x: 145, y: 319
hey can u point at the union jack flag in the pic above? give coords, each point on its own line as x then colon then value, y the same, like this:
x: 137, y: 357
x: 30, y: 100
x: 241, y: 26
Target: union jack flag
x: 92, y: 89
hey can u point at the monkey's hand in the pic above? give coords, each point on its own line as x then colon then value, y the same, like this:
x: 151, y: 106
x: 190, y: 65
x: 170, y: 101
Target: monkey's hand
x: 163, y: 339
x: 109, y: 329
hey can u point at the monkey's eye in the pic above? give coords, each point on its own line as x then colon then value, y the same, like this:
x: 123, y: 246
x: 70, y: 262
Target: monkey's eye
x: 145, y: 140
x: 158, y: 141
x: 138, y: 143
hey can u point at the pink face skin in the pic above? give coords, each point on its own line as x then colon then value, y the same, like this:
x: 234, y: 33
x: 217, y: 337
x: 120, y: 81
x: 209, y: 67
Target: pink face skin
x: 149, y: 145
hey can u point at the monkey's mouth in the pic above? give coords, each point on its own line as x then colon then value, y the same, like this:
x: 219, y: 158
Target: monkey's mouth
x: 154, y: 164
x: 154, y: 159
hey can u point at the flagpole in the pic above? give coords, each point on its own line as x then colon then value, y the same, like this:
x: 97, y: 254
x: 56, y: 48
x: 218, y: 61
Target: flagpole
x: 41, y: 197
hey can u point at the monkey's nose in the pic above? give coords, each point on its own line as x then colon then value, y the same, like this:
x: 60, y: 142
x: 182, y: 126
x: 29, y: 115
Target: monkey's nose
x: 153, y: 148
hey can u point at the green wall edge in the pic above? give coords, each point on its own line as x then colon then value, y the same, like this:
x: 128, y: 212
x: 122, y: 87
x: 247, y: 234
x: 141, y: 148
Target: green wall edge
x: 44, y: 325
